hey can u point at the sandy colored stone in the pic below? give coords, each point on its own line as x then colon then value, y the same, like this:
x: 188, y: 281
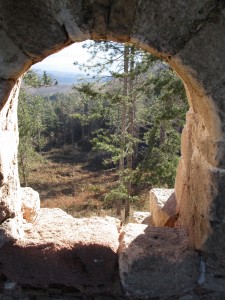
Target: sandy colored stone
x: 162, y: 205
x: 59, y: 249
x: 140, y: 217
x: 156, y: 262
x: 30, y: 203
x: 10, y: 202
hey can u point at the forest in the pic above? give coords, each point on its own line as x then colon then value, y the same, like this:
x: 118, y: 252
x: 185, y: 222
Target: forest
x: 101, y: 148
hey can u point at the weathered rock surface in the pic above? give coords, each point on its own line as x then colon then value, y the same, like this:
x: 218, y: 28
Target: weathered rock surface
x: 30, y: 204
x: 156, y: 262
x: 10, y: 202
x: 61, y: 250
x: 141, y: 217
x: 162, y: 205
x: 200, y: 183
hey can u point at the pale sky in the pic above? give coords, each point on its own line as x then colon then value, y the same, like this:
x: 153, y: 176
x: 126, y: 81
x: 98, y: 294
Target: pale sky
x: 64, y: 59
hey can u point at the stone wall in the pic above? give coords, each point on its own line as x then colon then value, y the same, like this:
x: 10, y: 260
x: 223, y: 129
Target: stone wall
x: 10, y: 202
x: 189, y: 35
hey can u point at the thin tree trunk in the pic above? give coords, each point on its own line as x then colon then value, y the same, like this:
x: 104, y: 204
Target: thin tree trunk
x: 39, y: 140
x: 131, y: 120
x: 23, y: 168
x: 124, y: 109
x: 64, y: 134
x: 131, y: 112
x: 123, y: 124
x: 72, y: 136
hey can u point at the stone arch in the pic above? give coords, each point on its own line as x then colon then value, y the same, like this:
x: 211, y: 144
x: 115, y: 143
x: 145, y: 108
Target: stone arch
x: 189, y: 36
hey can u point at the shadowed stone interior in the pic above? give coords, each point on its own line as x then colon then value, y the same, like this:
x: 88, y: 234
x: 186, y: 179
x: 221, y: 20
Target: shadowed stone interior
x: 190, y: 36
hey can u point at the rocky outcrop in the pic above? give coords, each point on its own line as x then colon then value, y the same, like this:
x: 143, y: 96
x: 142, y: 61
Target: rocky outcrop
x: 156, y: 262
x: 162, y: 205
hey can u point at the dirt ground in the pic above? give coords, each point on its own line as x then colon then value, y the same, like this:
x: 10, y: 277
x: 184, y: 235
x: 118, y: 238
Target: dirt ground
x: 75, y: 182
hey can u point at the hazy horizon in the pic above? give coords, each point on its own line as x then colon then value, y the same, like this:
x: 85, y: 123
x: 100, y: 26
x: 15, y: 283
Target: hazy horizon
x: 63, y: 61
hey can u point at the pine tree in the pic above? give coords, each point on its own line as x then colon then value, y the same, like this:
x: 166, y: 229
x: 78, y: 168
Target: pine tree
x: 124, y: 64
x: 34, y: 120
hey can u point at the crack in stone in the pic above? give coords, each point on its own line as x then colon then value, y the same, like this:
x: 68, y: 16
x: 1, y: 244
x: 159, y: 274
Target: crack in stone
x: 68, y: 40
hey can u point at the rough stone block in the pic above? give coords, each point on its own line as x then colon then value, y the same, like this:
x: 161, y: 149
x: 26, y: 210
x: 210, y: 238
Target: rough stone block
x: 30, y: 203
x: 140, y: 217
x: 59, y: 250
x: 156, y: 262
x: 162, y: 205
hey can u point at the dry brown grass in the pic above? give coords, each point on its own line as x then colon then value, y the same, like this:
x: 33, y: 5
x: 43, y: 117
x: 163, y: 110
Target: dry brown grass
x: 64, y: 180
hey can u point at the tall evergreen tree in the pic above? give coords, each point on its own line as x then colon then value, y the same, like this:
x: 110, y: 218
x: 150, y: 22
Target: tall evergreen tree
x: 125, y: 67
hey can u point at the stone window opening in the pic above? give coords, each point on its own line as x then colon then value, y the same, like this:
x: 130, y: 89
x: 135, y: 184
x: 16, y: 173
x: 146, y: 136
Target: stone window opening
x: 31, y: 256
x: 99, y: 245
x: 47, y: 196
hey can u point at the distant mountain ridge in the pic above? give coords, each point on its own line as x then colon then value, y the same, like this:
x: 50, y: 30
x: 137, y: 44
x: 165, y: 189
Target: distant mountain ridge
x: 65, y: 81
x: 62, y: 78
x: 49, y: 91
